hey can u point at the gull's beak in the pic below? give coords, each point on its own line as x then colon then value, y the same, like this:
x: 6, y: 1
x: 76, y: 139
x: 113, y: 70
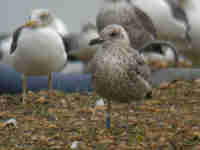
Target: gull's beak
x: 30, y: 23
x: 96, y: 41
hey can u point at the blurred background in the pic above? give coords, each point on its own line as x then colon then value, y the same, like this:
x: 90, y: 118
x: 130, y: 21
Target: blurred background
x: 72, y: 12
x: 75, y: 13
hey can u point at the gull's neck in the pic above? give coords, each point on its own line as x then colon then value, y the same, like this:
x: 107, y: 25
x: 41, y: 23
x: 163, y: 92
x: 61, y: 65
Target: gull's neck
x: 59, y: 26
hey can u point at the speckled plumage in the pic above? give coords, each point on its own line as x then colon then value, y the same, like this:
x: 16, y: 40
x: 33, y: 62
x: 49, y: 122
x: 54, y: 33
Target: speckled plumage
x: 119, y: 72
x: 138, y: 25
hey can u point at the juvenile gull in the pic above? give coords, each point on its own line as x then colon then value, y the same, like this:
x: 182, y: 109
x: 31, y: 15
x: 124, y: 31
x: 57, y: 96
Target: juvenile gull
x: 170, y: 19
x: 137, y: 24
x: 119, y: 72
x: 37, y: 50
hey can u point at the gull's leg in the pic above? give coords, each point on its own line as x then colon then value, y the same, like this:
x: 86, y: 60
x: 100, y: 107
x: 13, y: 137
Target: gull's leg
x: 128, y: 104
x: 24, y: 88
x: 108, y: 115
x: 127, y: 113
x: 50, y: 86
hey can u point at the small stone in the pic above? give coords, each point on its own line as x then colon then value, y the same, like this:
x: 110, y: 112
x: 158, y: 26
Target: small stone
x: 197, y: 81
x: 42, y: 100
x: 164, y: 85
x: 11, y: 122
x: 75, y: 145
x: 100, y: 102
x: 52, y: 117
x: 63, y: 102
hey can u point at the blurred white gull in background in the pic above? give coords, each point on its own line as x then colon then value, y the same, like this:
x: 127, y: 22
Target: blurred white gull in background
x: 171, y: 28
x: 170, y: 19
x: 192, y: 9
x: 78, y: 43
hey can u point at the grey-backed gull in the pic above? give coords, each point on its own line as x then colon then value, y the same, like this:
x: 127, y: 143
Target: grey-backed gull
x: 36, y: 50
x: 44, y: 15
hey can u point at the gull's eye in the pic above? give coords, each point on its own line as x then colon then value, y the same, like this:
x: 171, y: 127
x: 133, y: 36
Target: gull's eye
x: 43, y: 16
x: 113, y: 34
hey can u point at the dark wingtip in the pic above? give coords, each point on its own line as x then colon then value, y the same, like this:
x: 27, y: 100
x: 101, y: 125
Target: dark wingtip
x: 1, y: 55
x: 13, y: 47
x: 16, y: 35
x: 71, y: 42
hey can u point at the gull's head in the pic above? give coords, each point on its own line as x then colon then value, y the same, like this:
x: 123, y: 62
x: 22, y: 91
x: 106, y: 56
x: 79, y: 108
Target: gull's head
x: 43, y: 17
x: 114, y: 32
